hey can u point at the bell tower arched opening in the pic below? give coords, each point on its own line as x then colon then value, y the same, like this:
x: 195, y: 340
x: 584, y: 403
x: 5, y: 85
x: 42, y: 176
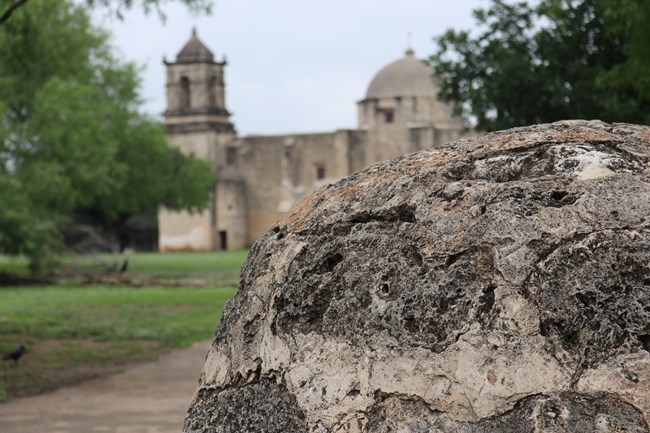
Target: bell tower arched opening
x: 184, y: 99
x: 213, y: 100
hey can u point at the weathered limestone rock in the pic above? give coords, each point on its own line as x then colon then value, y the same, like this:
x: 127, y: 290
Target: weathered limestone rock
x: 499, y: 284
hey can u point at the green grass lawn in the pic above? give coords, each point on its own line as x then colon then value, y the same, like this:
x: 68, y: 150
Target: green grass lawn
x: 211, y: 264
x: 13, y: 264
x: 187, y: 263
x: 217, y: 269
x: 83, y: 329
x: 74, y: 331
x: 155, y: 264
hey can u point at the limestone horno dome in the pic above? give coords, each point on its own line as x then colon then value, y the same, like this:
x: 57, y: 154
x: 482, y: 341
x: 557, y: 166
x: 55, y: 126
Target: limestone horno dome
x: 407, y: 76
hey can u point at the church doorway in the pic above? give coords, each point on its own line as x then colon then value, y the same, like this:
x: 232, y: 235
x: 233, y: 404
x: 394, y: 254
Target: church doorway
x: 223, y: 240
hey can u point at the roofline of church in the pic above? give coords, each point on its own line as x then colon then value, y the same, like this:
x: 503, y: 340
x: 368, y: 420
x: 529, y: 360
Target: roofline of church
x: 293, y: 134
x: 193, y: 111
x: 201, y: 126
x: 224, y: 62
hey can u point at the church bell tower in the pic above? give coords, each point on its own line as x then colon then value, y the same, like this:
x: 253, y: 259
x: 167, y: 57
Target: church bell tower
x: 196, y: 122
x: 196, y: 92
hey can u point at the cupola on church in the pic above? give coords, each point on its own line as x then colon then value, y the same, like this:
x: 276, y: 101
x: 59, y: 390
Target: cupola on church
x: 259, y: 178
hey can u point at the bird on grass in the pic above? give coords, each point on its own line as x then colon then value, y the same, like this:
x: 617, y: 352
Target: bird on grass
x: 15, y: 354
x: 124, y: 266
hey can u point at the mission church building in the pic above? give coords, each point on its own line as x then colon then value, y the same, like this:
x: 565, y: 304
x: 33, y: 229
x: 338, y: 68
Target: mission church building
x: 259, y: 178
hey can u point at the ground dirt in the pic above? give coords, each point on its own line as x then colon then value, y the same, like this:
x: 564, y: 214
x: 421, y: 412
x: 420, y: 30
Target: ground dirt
x: 147, y: 398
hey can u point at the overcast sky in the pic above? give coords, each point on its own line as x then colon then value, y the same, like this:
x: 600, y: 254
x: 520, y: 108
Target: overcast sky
x: 293, y: 65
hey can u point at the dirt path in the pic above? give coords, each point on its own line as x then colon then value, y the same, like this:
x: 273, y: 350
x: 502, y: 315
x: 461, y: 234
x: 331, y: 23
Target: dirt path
x: 149, y: 398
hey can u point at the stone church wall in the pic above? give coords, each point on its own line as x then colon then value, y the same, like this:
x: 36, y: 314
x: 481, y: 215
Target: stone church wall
x: 260, y: 178
x: 183, y: 231
x: 282, y: 169
x: 231, y: 212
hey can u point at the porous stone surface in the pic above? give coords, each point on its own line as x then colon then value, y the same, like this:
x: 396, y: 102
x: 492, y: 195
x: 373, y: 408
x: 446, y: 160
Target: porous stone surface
x: 498, y: 284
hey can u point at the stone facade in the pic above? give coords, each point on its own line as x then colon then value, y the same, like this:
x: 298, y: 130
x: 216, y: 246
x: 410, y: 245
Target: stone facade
x: 260, y: 178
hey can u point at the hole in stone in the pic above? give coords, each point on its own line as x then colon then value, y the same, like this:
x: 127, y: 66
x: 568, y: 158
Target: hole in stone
x: 558, y: 195
x: 384, y: 291
x: 413, y: 255
x: 353, y: 393
x: 544, y: 329
x: 330, y: 263
x: 645, y: 341
x: 452, y: 259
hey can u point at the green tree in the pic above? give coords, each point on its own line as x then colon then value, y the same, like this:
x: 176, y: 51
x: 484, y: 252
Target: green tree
x: 630, y: 18
x: 117, y: 7
x: 555, y: 59
x: 72, y: 139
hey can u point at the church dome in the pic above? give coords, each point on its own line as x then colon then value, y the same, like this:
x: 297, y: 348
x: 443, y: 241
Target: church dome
x: 194, y: 51
x: 407, y: 76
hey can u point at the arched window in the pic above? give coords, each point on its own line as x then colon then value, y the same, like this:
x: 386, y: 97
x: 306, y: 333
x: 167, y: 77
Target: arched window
x: 185, y: 93
x: 212, y: 92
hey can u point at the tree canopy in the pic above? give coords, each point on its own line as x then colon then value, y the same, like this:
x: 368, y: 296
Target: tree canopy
x: 535, y: 62
x: 116, y: 7
x: 71, y: 137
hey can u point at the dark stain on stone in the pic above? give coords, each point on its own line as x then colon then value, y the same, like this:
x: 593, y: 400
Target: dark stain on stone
x: 261, y: 407
x: 630, y: 375
x: 591, y: 293
x: 557, y: 413
x: 530, y: 201
x: 451, y: 259
x: 402, y: 213
x: 353, y: 393
x: 486, y: 301
x: 412, y: 255
x: 430, y: 305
